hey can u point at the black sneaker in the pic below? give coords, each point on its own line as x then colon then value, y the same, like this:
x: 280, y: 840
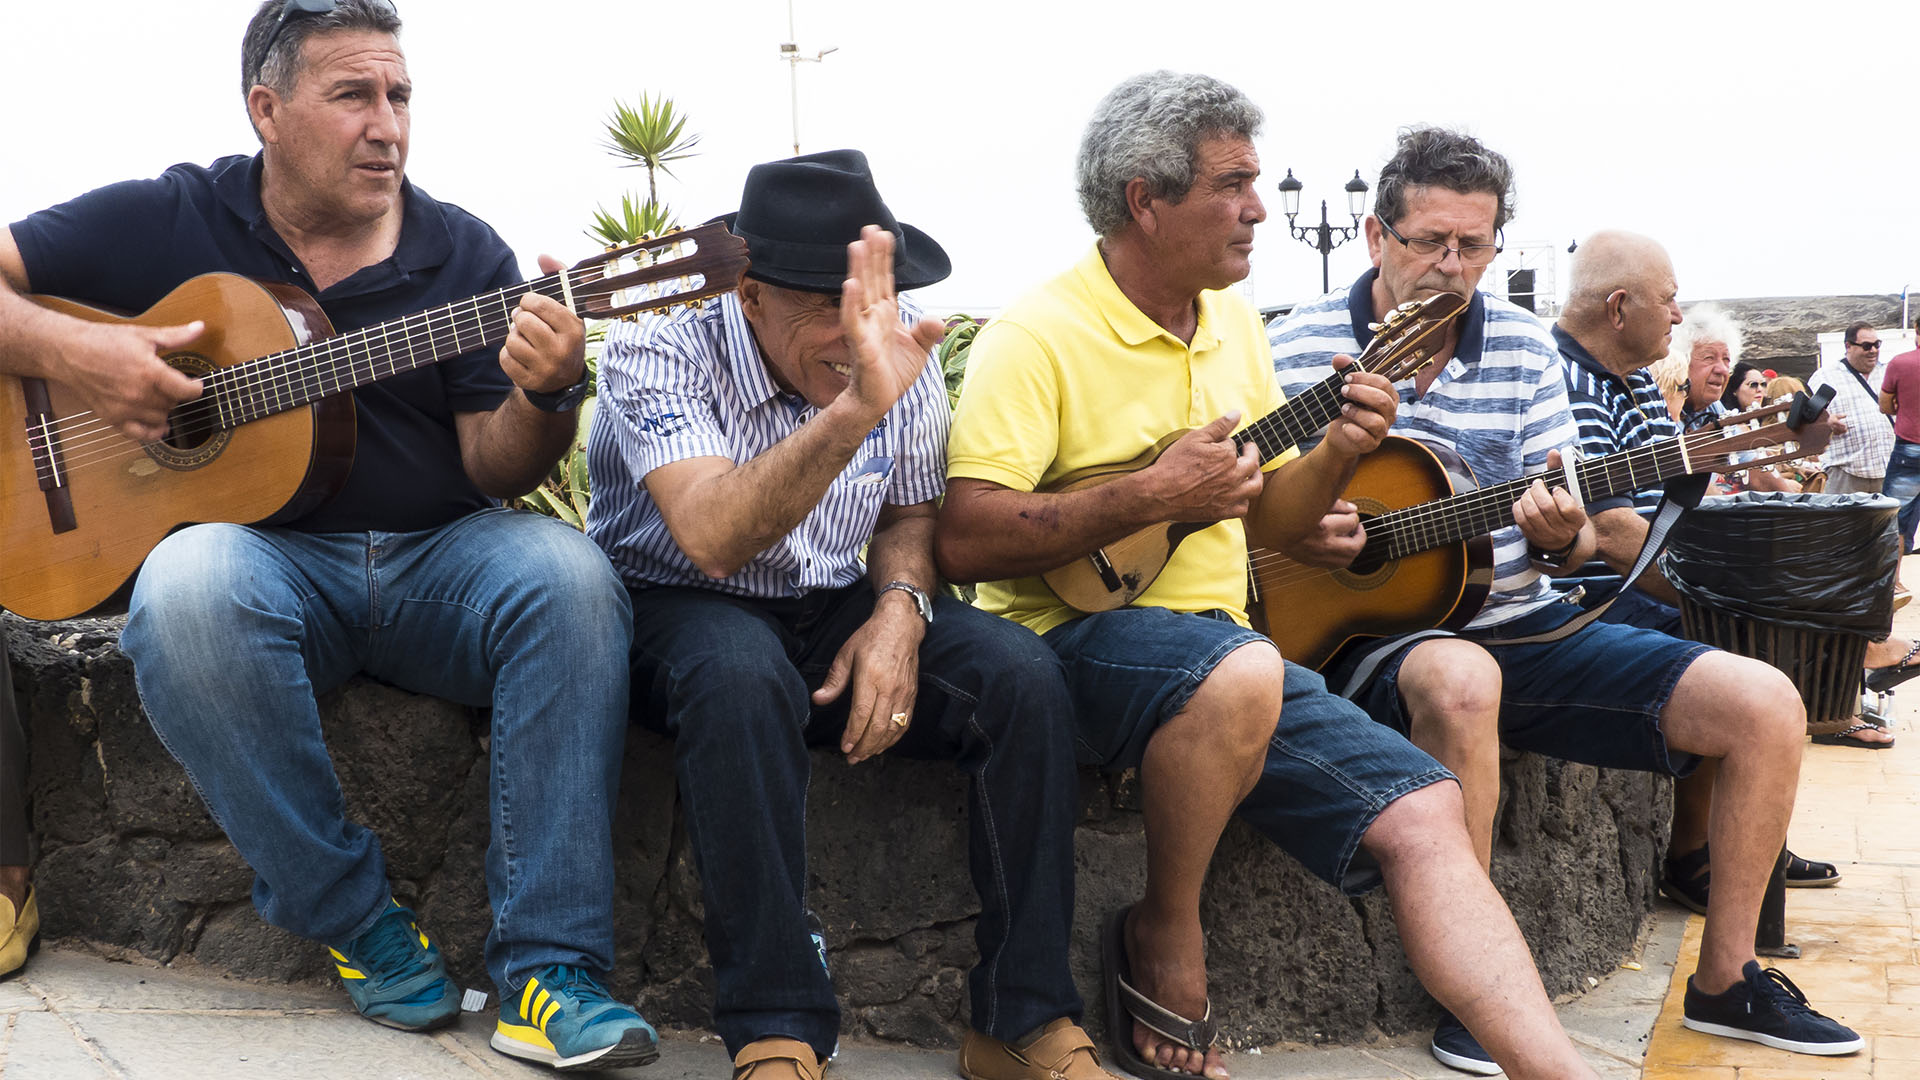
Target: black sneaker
x: 1765, y: 1007
x: 1455, y: 1047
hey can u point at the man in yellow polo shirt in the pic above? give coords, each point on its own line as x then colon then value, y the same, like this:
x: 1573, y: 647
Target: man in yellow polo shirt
x: 1096, y: 366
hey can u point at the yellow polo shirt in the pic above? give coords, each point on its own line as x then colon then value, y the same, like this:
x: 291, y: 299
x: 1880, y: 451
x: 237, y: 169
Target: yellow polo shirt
x: 1073, y: 375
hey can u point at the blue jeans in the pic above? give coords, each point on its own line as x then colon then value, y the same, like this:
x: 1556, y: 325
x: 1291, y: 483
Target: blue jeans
x: 1903, y: 483
x: 233, y: 631
x: 1329, y: 772
x: 729, y: 677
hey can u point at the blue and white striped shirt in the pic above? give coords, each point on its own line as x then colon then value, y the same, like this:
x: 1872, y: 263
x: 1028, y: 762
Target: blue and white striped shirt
x: 692, y: 384
x: 1614, y: 413
x: 1500, y: 403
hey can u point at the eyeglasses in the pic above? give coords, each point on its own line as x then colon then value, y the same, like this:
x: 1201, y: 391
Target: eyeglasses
x: 1755, y: 385
x: 1869, y: 346
x: 293, y: 9
x: 1470, y: 254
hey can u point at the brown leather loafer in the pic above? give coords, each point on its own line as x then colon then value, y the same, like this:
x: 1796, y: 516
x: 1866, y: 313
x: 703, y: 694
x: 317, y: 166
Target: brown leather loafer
x: 1062, y: 1052
x: 777, y: 1059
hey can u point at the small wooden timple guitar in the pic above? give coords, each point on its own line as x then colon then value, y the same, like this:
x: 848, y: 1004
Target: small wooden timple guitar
x: 1115, y: 575
x: 1428, y: 556
x: 272, y: 434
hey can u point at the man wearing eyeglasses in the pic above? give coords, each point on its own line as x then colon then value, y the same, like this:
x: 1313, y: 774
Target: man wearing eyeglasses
x: 1609, y: 695
x: 411, y: 571
x: 1856, y: 459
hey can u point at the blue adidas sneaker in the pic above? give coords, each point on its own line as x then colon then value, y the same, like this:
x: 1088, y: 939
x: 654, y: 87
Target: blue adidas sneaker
x: 565, y: 1020
x: 397, y: 977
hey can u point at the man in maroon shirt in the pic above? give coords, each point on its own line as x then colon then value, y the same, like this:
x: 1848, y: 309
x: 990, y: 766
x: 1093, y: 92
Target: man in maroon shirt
x: 1900, y: 399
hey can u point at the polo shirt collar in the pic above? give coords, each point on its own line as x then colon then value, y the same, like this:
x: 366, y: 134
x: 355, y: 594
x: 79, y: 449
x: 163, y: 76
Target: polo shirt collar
x: 1129, y: 323
x: 1576, y: 353
x: 750, y: 375
x: 425, y: 241
x: 1360, y: 310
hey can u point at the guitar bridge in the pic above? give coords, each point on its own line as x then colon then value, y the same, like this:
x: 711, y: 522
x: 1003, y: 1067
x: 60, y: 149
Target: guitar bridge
x: 43, y: 447
x: 1104, y: 567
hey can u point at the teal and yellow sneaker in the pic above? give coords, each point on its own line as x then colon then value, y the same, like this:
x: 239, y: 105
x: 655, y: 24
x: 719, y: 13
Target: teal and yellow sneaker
x: 397, y: 977
x: 565, y: 1020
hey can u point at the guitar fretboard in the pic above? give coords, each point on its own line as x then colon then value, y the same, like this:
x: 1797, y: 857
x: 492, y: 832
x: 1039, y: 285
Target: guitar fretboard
x: 289, y: 379
x: 1423, y: 527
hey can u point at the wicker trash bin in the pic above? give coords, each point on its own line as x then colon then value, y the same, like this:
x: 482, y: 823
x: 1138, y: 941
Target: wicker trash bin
x: 1800, y: 581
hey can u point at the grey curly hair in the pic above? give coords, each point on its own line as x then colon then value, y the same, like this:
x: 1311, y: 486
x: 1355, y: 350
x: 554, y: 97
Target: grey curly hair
x: 1443, y: 158
x: 1151, y: 126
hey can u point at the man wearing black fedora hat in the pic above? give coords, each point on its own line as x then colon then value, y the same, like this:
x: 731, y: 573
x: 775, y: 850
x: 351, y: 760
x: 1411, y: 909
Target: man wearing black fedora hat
x: 743, y: 455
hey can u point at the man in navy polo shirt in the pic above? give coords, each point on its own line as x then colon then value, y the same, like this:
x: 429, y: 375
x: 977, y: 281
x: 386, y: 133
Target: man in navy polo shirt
x: 412, y: 572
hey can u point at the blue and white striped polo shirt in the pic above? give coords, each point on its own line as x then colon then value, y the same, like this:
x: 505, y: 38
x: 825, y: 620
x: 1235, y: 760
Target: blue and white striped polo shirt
x: 1614, y: 413
x: 692, y: 384
x: 1500, y: 403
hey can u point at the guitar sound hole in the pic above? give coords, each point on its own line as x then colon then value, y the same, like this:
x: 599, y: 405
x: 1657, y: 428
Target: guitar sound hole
x: 1371, y: 558
x: 190, y: 428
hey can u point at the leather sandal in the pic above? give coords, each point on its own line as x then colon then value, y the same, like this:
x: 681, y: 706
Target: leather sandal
x: 1125, y: 1005
x: 777, y: 1059
x: 1684, y: 880
x: 1062, y: 1052
x: 1808, y: 874
x: 1850, y: 736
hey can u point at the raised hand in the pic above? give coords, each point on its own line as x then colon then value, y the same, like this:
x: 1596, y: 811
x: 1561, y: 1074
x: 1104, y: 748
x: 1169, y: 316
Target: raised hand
x: 1205, y: 475
x: 887, y: 354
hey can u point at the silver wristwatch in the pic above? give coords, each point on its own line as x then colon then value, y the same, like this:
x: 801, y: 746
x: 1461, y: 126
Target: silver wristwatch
x: 921, y: 601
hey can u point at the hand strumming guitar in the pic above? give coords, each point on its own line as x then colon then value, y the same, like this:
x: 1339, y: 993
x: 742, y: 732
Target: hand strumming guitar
x: 1205, y: 475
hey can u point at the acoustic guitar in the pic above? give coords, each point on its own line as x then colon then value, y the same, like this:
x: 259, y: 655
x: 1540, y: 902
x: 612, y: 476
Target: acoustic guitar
x: 1115, y: 575
x: 272, y: 434
x: 1427, y: 560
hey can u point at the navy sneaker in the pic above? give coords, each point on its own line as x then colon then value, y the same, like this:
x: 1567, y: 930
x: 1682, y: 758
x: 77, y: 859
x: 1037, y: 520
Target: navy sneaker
x: 1455, y: 1047
x: 565, y: 1020
x: 1765, y: 1007
x: 395, y: 976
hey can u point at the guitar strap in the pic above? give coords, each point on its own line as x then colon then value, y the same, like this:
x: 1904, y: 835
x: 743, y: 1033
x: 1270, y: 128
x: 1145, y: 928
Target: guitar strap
x: 1681, y: 495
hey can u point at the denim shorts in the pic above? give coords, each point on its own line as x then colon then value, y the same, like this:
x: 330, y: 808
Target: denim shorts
x: 1330, y: 769
x: 1594, y: 697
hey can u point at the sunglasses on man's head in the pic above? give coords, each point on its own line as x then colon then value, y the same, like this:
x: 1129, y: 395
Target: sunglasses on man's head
x: 293, y: 9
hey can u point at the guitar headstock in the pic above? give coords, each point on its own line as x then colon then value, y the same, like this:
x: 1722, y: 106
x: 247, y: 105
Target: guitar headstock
x: 1712, y: 449
x: 678, y: 268
x: 1408, y: 339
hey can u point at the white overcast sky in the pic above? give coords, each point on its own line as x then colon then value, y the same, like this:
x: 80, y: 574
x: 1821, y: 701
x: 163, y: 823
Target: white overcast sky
x: 1772, y: 147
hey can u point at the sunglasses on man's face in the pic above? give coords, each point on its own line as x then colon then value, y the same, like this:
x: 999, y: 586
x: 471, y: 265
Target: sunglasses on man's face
x: 1869, y: 346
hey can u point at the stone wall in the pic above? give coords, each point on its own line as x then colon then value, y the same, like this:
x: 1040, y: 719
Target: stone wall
x: 131, y: 861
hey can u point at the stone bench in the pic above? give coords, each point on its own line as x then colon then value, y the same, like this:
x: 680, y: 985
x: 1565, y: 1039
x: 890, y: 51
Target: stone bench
x: 130, y: 861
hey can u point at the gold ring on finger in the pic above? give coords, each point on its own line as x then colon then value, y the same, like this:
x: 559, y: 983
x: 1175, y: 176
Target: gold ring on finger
x: 899, y: 719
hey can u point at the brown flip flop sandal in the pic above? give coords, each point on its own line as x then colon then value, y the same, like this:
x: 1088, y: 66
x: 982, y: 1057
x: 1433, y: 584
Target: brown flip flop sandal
x: 1126, y: 1005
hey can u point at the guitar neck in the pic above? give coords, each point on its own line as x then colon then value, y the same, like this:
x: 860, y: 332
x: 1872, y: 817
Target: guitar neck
x: 303, y: 375
x: 1423, y: 527
x: 1296, y: 421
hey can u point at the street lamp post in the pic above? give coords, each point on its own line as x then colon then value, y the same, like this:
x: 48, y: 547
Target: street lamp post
x: 1321, y: 236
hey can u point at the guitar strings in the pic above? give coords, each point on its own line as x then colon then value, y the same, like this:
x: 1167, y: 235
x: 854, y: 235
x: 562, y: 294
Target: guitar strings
x: 93, y: 441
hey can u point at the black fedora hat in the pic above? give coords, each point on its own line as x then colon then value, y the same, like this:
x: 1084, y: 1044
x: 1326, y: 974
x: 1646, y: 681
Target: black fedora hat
x: 798, y: 215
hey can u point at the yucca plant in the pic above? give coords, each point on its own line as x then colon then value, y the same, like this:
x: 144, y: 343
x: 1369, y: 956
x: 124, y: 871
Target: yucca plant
x: 636, y: 222
x: 650, y: 136
x: 565, y: 492
x: 952, y: 353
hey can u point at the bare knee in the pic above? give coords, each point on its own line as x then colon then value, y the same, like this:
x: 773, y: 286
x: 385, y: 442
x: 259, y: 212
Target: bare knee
x: 1452, y: 691
x: 1419, y: 824
x: 1239, y: 701
x: 1725, y: 703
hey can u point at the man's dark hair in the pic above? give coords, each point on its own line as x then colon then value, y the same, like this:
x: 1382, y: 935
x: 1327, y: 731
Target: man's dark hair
x: 279, y: 67
x: 1853, y: 331
x: 1442, y: 158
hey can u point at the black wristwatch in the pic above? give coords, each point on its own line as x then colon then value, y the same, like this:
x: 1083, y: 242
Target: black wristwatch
x: 1551, y: 560
x: 566, y: 399
x: 921, y: 601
